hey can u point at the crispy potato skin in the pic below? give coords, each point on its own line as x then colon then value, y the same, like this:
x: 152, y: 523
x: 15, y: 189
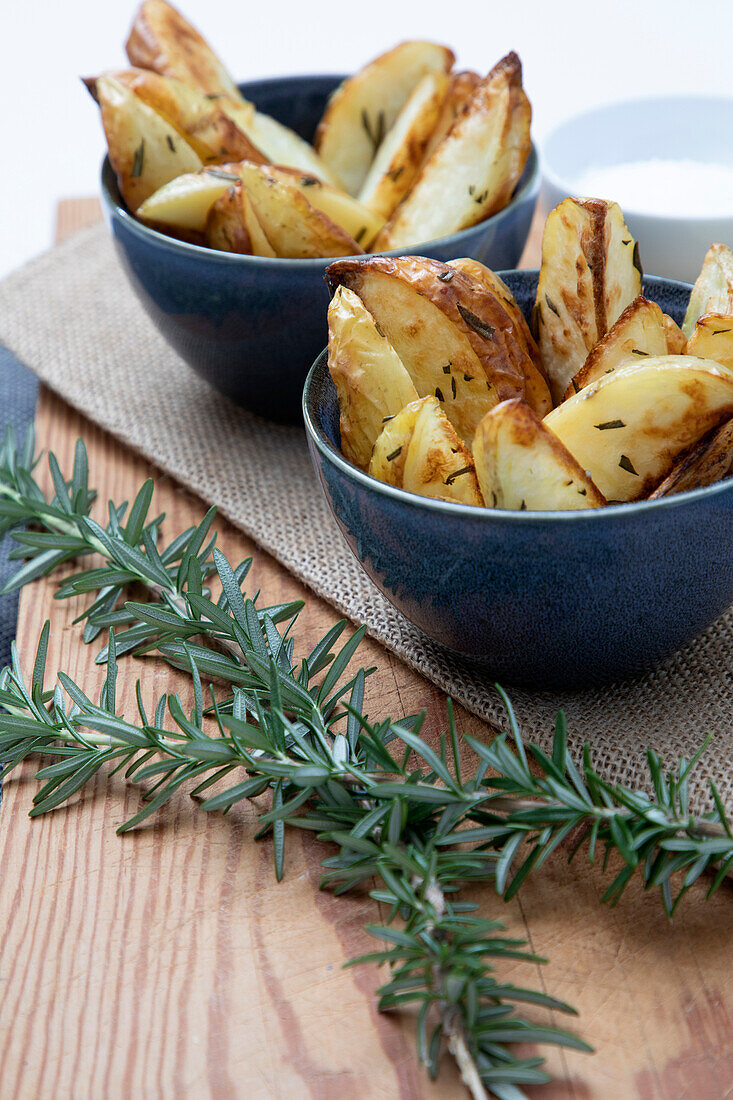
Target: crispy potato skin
x: 461, y: 300
x: 712, y: 338
x: 630, y: 428
x: 522, y: 466
x: 639, y: 331
x: 371, y: 382
x: 590, y: 272
x: 364, y: 108
x: 709, y: 461
x: 473, y: 171
x: 203, y: 124
x: 294, y: 228
x: 162, y: 40
x: 713, y: 289
x: 537, y: 392
x: 225, y: 228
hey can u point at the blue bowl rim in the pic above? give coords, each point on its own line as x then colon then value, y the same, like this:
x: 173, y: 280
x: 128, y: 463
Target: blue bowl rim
x: 611, y: 514
x: 529, y: 189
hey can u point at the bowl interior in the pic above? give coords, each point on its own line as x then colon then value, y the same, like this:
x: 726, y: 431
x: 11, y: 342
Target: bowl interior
x: 665, y: 128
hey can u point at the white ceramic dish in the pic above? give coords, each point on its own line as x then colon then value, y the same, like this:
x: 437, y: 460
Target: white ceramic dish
x: 673, y: 128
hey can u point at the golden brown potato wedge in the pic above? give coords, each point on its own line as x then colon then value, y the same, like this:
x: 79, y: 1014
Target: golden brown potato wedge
x: 590, y: 273
x: 364, y: 108
x: 709, y: 461
x: 473, y: 172
x: 628, y: 429
x: 639, y: 332
x: 521, y: 465
x: 232, y: 225
x: 359, y: 222
x: 712, y: 338
x: 145, y: 151
x: 713, y: 289
x: 676, y: 339
x: 400, y: 155
x: 450, y: 333
x: 419, y: 451
x: 371, y: 382
x: 162, y: 40
x: 537, y: 392
x: 199, y: 119
x: 461, y: 87
x: 185, y: 202
x: 294, y: 228
x: 281, y: 145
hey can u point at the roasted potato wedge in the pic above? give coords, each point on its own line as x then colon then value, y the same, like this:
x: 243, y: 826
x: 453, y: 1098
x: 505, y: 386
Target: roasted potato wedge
x: 709, y: 461
x: 364, y: 108
x: 521, y: 465
x: 713, y: 289
x: 144, y: 150
x: 676, y: 339
x: 232, y: 225
x: 371, y: 381
x: 283, y: 146
x: 590, y: 273
x: 200, y: 120
x: 628, y: 429
x: 359, y: 222
x: 401, y: 153
x: 450, y: 333
x: 162, y: 40
x: 537, y: 392
x: 474, y: 170
x: 419, y: 451
x: 461, y: 87
x: 639, y: 332
x: 185, y: 201
x: 712, y: 338
x: 294, y: 228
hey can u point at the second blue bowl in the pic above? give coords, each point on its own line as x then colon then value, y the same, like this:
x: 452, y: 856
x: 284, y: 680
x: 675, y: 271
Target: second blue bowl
x: 252, y: 326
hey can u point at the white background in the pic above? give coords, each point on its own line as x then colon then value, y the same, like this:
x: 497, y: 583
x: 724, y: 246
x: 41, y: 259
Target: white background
x: 575, y: 54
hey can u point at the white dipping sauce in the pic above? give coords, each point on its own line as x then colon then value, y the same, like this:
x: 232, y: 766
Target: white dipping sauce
x: 672, y: 188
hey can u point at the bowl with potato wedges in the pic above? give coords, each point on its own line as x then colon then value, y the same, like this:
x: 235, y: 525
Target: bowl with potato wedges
x: 535, y: 467
x: 227, y: 201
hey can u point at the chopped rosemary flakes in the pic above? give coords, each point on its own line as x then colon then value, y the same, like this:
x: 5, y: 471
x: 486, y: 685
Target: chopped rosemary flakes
x: 395, y: 454
x: 137, y: 164
x: 610, y: 424
x: 171, y: 146
x: 458, y: 473
x: 626, y: 464
x: 483, y: 328
x: 439, y: 393
x: 446, y: 276
x: 453, y: 386
x: 551, y: 305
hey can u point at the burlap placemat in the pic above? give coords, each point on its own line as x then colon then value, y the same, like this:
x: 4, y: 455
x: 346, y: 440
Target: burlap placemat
x: 71, y: 316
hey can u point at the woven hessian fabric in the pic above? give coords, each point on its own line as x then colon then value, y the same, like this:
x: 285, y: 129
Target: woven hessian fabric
x: 70, y: 315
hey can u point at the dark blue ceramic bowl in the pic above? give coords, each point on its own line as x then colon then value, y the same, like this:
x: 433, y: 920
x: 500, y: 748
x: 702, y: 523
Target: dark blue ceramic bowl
x: 252, y: 326
x: 546, y: 599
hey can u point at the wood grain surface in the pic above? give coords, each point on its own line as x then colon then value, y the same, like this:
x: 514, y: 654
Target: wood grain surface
x: 169, y: 963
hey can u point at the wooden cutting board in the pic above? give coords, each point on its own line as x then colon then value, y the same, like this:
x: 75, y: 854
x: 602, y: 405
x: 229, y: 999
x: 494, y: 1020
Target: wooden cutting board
x: 170, y: 963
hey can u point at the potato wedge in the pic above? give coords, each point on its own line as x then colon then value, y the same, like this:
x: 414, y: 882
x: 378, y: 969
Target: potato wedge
x: 676, y: 339
x: 281, y: 145
x: 713, y: 289
x: 461, y: 87
x: 537, y: 392
x: 639, y: 332
x: 294, y: 228
x: 628, y: 429
x: 712, y: 338
x: 390, y: 448
x: 359, y: 222
x: 232, y: 225
x: 145, y: 151
x: 185, y: 202
x: 371, y: 381
x: 200, y: 120
x: 590, y: 273
x: 420, y: 452
x: 364, y: 108
x: 450, y: 333
x: 709, y: 461
x: 401, y: 153
x: 162, y: 40
x: 475, y: 169
x: 521, y: 465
